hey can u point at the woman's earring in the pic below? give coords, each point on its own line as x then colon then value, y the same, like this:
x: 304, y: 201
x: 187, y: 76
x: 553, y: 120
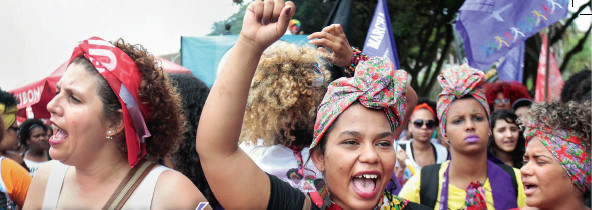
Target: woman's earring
x: 489, y: 133
x: 110, y: 133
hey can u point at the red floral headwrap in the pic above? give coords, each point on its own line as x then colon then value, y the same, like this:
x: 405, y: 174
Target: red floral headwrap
x: 457, y: 82
x: 375, y: 85
x: 123, y: 77
x: 567, y: 148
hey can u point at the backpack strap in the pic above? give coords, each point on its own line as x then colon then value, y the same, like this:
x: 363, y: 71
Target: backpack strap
x: 429, y: 182
x: 127, y: 186
x: 510, y: 171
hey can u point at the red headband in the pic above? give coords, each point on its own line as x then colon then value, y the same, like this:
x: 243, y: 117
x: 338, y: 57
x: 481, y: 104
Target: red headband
x: 123, y: 77
x: 424, y: 106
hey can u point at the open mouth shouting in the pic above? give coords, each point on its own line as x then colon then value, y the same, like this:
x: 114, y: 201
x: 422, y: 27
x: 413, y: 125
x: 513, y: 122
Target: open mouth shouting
x: 529, y: 188
x: 59, y: 136
x: 366, y: 184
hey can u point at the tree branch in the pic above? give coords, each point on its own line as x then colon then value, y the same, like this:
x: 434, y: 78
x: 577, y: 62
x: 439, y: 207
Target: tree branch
x: 561, y: 31
x: 579, y: 47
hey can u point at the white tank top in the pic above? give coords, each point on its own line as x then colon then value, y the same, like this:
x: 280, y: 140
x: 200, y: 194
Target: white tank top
x: 141, y: 198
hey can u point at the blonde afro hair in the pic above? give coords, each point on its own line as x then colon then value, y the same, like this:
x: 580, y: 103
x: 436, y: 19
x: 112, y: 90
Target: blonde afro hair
x: 284, y: 94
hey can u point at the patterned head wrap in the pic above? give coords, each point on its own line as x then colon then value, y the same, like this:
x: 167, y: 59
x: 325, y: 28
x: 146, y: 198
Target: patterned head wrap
x: 567, y: 148
x: 8, y: 115
x: 124, y: 78
x: 457, y: 82
x: 375, y: 85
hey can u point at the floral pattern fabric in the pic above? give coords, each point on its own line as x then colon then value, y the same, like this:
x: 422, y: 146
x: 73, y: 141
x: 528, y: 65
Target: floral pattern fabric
x: 567, y: 148
x: 375, y: 85
x: 475, y: 199
x: 457, y: 82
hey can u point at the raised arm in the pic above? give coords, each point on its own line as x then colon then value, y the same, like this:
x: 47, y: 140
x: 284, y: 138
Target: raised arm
x: 234, y: 178
x: 334, y: 38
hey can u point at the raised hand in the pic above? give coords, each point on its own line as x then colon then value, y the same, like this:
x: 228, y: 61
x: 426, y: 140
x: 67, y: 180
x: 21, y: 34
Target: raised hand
x: 334, y: 38
x: 266, y: 21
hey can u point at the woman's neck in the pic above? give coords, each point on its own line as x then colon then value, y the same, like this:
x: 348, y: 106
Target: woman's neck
x: 421, y: 145
x: 505, y: 157
x: 567, y: 202
x: 108, y: 165
x: 36, y: 155
x: 465, y: 169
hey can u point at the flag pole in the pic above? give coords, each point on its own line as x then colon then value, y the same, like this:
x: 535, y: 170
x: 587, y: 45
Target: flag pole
x: 547, y: 64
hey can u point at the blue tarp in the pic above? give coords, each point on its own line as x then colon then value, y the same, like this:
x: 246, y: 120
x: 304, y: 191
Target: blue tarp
x: 202, y: 55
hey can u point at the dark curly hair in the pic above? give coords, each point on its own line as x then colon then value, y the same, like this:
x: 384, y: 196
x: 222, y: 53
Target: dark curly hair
x: 7, y: 98
x: 25, y: 130
x: 185, y: 159
x: 512, y: 90
x: 509, y: 117
x: 577, y: 87
x: 166, y: 122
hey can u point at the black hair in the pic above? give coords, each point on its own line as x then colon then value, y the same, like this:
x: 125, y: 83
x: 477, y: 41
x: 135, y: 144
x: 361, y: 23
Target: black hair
x: 25, y: 130
x: 194, y: 93
x: 227, y: 26
x: 509, y: 117
x: 577, y: 87
x: 8, y: 99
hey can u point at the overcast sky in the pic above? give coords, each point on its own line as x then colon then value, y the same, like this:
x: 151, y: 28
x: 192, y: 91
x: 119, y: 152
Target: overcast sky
x: 37, y: 36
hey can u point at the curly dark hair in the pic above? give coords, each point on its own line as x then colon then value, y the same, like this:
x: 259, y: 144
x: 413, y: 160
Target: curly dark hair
x: 25, y: 130
x: 577, y: 87
x: 166, y: 122
x: 509, y: 117
x: 572, y: 116
x: 512, y: 90
x: 185, y: 159
x: 8, y: 99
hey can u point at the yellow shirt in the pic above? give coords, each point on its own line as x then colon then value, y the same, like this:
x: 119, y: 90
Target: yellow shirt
x: 456, y: 196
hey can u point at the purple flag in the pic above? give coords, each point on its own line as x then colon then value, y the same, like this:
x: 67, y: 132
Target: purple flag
x: 380, y: 41
x: 512, y: 67
x: 490, y: 28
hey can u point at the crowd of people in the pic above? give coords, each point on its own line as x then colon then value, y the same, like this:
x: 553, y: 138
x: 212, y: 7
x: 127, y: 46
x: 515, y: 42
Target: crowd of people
x: 289, y: 126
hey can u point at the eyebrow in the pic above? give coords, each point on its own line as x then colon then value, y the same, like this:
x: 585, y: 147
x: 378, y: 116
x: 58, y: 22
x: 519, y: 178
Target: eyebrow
x: 350, y: 133
x: 358, y: 134
x: 537, y: 156
x: 384, y: 134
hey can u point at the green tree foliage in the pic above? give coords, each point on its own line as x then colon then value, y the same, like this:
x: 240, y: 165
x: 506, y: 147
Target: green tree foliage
x: 423, y: 32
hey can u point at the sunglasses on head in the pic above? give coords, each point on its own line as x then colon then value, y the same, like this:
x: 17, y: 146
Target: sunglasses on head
x: 430, y: 124
x: 502, y: 101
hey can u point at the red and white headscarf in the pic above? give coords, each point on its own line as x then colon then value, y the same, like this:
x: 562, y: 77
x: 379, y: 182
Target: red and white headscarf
x: 124, y: 78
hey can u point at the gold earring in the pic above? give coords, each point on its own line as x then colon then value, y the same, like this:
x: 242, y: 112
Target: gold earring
x: 109, y: 137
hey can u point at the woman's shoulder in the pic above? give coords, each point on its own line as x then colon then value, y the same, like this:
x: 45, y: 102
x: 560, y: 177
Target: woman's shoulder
x: 38, y: 186
x: 174, y: 190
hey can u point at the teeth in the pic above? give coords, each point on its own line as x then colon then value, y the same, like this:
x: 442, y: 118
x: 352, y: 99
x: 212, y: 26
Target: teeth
x: 367, y: 176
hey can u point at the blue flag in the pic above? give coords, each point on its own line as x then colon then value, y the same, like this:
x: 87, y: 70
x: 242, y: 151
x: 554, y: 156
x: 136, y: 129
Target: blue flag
x: 512, y: 67
x: 380, y: 41
x: 490, y: 28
